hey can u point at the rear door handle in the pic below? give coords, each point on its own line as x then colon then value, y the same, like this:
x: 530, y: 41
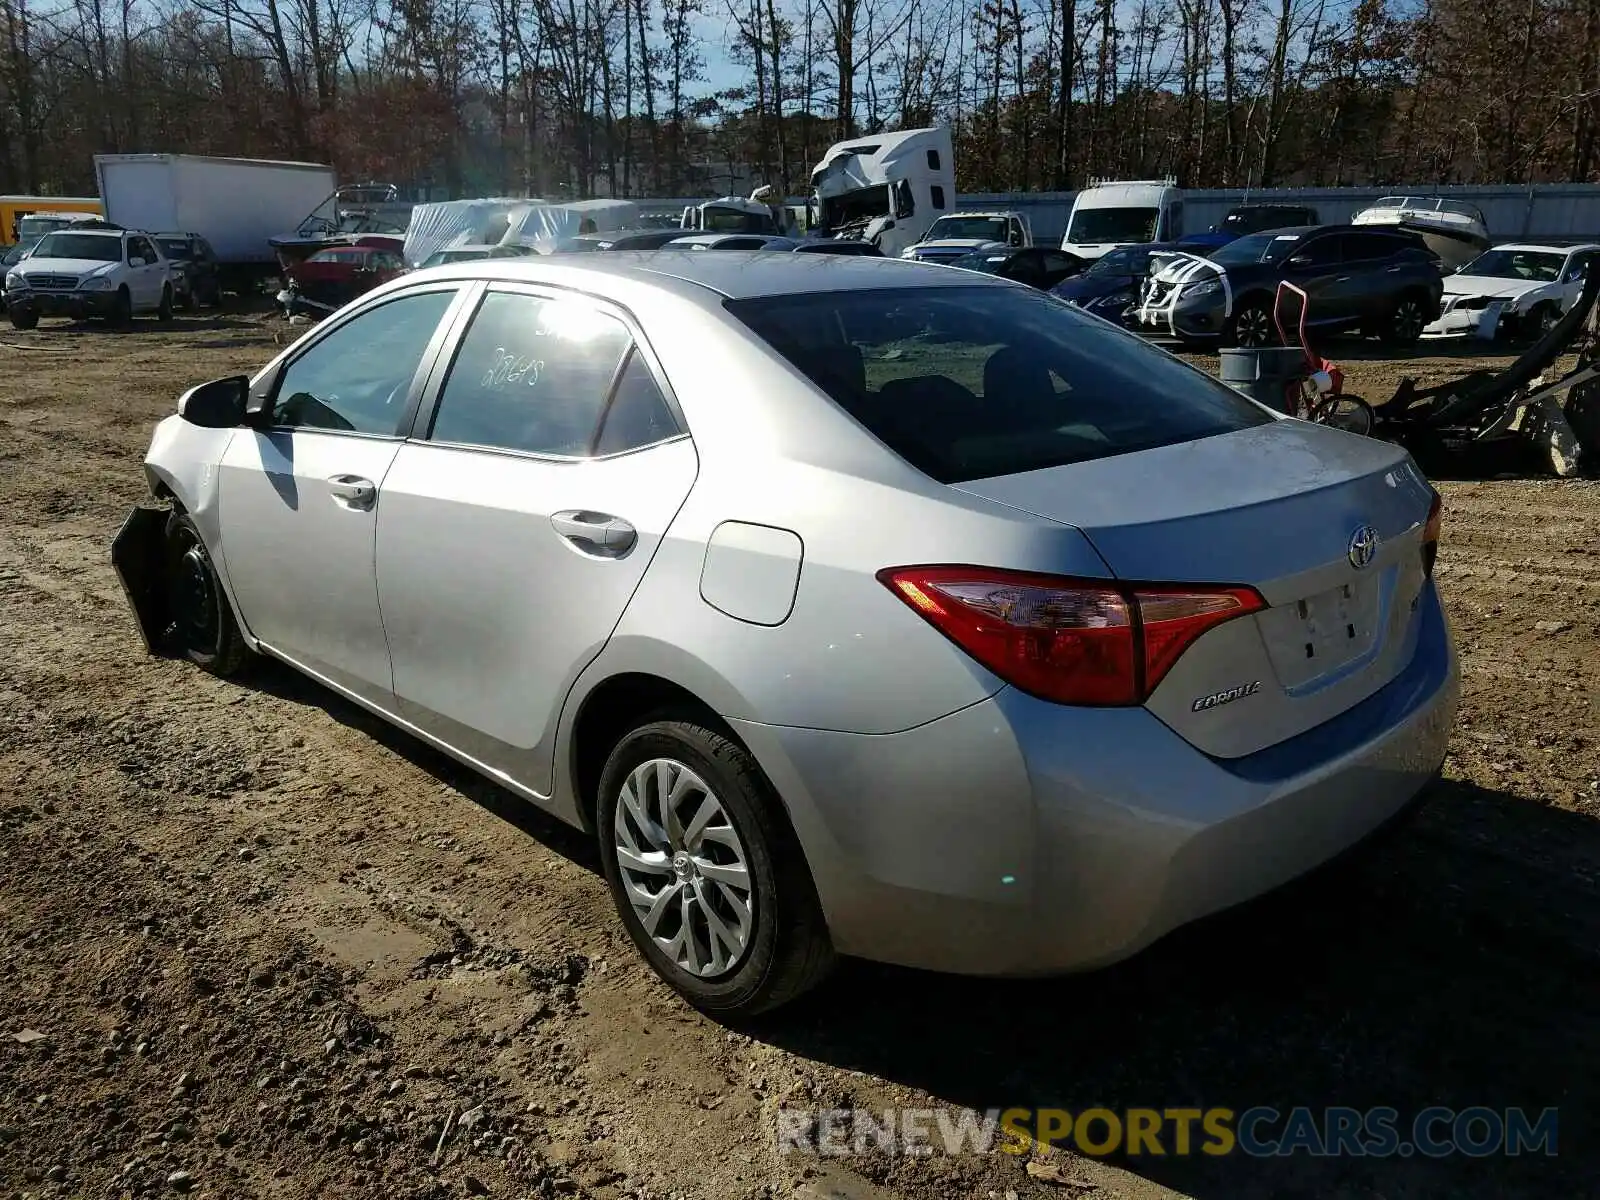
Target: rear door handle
x: 352, y: 491
x: 595, y: 533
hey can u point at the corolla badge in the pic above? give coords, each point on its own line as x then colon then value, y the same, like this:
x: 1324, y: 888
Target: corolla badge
x: 1363, y: 546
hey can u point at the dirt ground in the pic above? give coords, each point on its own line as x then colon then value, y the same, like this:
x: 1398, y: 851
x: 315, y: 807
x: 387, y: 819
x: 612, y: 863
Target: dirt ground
x: 276, y: 950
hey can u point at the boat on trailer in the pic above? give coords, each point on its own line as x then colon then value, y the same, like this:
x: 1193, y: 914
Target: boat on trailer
x: 1452, y: 229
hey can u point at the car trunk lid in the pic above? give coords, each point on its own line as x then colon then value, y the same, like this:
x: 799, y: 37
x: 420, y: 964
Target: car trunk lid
x: 1325, y: 525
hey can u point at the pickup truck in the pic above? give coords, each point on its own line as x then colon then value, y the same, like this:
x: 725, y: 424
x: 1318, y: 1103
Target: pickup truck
x: 959, y: 234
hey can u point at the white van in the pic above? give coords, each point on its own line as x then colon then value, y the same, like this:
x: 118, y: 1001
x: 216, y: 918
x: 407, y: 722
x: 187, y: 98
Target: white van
x: 885, y: 188
x: 1112, y: 213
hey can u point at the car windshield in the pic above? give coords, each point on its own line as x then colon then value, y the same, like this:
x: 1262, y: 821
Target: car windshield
x: 977, y: 381
x: 336, y: 256
x: 1131, y: 260
x: 436, y: 259
x: 1092, y: 225
x: 1252, y: 220
x: 1536, y: 266
x: 982, y: 260
x: 96, y: 247
x: 174, y: 247
x: 990, y: 229
x: 1256, y: 248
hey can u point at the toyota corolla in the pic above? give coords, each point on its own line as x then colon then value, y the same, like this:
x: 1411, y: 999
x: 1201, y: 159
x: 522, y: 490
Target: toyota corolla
x: 854, y: 608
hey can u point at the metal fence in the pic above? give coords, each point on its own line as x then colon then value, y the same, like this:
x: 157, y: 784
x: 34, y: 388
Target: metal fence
x: 1551, y: 212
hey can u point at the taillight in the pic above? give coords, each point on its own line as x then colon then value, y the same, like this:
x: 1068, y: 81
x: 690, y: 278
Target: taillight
x: 1430, y: 534
x: 1072, y: 641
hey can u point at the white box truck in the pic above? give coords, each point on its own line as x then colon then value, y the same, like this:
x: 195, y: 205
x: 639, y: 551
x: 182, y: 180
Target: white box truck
x: 236, y: 204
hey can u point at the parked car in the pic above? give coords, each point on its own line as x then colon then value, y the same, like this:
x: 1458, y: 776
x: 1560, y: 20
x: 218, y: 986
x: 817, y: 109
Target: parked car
x: 1252, y: 218
x: 704, y: 630
x: 1036, y: 266
x: 333, y: 277
x: 839, y: 246
x: 8, y: 259
x: 195, y: 275
x: 958, y: 235
x: 640, y: 239
x: 1382, y: 282
x: 1529, y: 287
x: 732, y: 241
x: 1110, y: 286
x: 457, y: 254
x: 83, y: 272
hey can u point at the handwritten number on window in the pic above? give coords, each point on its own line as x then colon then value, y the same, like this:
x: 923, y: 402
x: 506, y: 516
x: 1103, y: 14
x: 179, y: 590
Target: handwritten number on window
x: 508, y: 367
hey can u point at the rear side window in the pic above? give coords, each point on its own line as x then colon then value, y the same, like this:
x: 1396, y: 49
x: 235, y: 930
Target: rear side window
x: 974, y: 382
x: 532, y: 374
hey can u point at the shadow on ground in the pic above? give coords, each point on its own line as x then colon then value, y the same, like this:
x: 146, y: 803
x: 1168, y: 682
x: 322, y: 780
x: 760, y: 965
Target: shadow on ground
x: 1455, y: 962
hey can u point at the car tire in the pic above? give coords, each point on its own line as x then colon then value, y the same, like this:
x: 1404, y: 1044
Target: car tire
x: 203, y: 629
x: 1405, y: 322
x: 23, y: 320
x: 784, y: 950
x: 1251, y: 327
x: 1541, y: 319
x: 164, y: 309
x: 122, y: 308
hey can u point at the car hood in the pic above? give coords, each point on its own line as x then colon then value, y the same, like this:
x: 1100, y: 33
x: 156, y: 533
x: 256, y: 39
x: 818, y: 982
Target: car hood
x: 1085, y: 288
x: 64, y: 266
x: 957, y: 245
x: 1487, y: 286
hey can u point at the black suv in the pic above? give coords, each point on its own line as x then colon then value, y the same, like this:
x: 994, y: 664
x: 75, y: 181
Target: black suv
x: 195, y: 277
x: 1383, y: 282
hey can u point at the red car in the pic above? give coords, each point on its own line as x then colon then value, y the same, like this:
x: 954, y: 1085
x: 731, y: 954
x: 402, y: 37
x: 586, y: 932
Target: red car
x: 333, y: 277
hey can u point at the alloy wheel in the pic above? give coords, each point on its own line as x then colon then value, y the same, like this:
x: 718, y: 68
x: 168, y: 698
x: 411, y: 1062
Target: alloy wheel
x: 1253, y: 329
x: 683, y: 867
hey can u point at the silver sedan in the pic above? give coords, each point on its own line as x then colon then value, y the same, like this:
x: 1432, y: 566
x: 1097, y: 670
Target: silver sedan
x: 855, y: 608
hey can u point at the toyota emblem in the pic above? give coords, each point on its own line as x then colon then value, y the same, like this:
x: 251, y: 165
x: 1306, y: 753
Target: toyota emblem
x: 1363, y: 546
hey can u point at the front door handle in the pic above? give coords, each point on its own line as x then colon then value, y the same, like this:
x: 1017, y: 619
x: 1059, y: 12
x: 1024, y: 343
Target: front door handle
x: 595, y: 533
x: 352, y: 491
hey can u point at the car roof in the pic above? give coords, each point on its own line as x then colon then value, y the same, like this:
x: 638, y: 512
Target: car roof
x: 93, y: 231
x: 1546, y: 249
x: 733, y: 274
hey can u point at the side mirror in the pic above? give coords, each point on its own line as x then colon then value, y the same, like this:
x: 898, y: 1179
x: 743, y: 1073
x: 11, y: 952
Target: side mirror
x: 219, y: 404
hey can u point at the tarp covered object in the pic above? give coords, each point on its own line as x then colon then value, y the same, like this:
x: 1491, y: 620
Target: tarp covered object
x: 547, y: 227
x: 460, y: 223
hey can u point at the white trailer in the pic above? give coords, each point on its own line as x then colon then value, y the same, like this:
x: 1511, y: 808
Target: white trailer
x: 885, y: 188
x: 236, y: 204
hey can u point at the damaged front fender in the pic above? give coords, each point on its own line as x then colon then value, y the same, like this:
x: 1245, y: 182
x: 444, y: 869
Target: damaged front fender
x: 138, y: 553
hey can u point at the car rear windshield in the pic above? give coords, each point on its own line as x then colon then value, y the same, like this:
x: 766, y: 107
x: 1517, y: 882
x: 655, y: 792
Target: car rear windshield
x: 174, y: 247
x: 974, y: 382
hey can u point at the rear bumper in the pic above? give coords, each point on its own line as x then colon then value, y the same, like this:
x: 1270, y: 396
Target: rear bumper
x: 62, y: 304
x: 1018, y: 837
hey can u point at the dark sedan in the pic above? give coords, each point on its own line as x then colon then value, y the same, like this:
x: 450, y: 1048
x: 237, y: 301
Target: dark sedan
x: 1037, y: 266
x: 1110, y: 286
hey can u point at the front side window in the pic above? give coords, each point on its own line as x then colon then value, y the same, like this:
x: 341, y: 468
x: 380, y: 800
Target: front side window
x: 357, y: 379
x: 533, y: 374
x: 974, y: 382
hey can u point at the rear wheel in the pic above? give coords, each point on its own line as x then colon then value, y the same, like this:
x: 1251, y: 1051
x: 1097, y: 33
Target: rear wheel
x: 1406, y: 319
x: 203, y: 629
x: 705, y: 871
x: 1252, y: 326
